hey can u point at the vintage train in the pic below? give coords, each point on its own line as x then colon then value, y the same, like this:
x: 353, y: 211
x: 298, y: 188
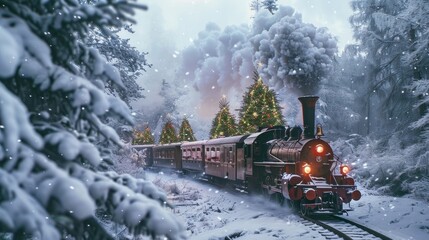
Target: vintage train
x: 288, y: 164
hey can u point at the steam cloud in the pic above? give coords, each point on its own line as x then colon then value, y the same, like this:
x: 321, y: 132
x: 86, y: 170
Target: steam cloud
x: 291, y: 56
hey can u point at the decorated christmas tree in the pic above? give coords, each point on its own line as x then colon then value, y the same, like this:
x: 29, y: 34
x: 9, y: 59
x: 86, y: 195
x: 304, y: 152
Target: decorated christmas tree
x: 168, y: 134
x: 260, y: 108
x: 185, y: 132
x: 143, y: 137
x: 224, y: 122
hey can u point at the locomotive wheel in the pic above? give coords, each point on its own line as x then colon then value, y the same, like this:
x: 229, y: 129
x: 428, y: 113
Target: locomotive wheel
x: 294, y: 205
x: 280, y: 199
x: 267, y: 182
x: 338, y: 205
x: 303, y: 210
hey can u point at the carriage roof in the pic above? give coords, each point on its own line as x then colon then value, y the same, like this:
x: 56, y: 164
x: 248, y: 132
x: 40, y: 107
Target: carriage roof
x: 227, y: 140
x: 168, y: 145
x: 189, y: 144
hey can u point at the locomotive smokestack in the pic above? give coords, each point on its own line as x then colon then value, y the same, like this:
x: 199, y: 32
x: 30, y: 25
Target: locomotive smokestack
x: 308, y: 114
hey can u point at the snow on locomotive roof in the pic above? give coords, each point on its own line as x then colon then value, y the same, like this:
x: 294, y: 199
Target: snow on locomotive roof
x: 252, y: 138
x: 225, y: 140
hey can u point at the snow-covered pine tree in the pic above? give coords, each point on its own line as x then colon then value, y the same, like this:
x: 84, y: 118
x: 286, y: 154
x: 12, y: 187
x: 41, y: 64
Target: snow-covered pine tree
x: 168, y: 134
x: 384, y: 38
x: 53, y: 103
x: 417, y: 59
x: 393, y: 38
x: 186, y: 133
x: 270, y: 5
x: 223, y: 125
x: 259, y: 108
x: 340, y: 96
x: 127, y: 59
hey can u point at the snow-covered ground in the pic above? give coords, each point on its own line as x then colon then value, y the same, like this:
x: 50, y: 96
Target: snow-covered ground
x: 210, y: 212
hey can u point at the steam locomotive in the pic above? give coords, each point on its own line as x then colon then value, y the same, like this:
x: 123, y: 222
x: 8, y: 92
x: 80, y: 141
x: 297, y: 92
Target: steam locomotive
x: 288, y: 164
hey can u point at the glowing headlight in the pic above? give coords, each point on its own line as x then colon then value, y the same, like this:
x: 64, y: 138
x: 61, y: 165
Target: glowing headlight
x: 344, y: 169
x: 306, y: 168
x: 320, y: 148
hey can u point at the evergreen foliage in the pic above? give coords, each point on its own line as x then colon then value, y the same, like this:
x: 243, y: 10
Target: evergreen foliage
x: 143, y: 137
x: 127, y: 59
x: 393, y: 38
x: 54, y: 140
x: 186, y: 133
x: 168, y: 134
x: 385, y: 75
x: 223, y: 125
x: 260, y: 108
x: 340, y: 105
x: 393, y: 88
x: 270, y: 5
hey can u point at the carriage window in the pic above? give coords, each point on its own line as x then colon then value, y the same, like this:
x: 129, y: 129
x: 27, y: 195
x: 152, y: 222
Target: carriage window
x: 184, y: 153
x: 213, y: 153
x: 208, y: 156
x: 198, y: 152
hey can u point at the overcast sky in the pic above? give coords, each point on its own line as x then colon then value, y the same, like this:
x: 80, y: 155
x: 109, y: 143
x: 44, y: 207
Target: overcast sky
x: 183, y: 19
x: 171, y: 25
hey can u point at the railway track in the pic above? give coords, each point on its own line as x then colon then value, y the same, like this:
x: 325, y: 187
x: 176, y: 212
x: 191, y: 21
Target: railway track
x: 335, y: 227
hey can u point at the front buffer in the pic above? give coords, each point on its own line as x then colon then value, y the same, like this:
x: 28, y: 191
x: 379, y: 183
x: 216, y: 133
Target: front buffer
x: 318, y: 196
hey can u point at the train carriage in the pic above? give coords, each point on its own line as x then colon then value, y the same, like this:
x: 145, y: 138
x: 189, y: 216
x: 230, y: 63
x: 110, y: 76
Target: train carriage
x: 168, y: 156
x: 193, y: 156
x: 224, y: 157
